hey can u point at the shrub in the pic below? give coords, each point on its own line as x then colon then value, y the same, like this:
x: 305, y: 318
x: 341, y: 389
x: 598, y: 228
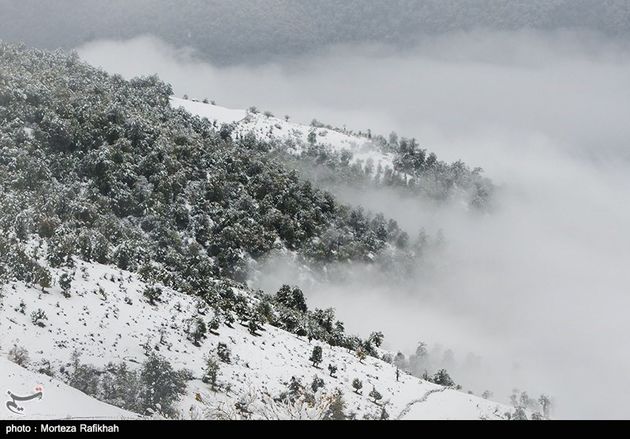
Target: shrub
x: 214, y: 325
x: 19, y: 355
x: 253, y: 325
x: 357, y: 384
x: 361, y: 354
x: 317, y: 384
x: 38, y: 317
x: 224, y: 353
x: 332, y: 370
x: 153, y: 294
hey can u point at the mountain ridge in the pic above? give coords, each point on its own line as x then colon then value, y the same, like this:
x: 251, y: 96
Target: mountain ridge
x: 125, y: 236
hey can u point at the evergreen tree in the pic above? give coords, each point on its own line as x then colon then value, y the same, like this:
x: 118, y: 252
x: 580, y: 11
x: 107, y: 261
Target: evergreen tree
x: 316, y: 356
x: 296, y: 389
x: 65, y: 283
x: 211, y: 372
x: 197, y: 330
x: 43, y: 278
x: 337, y: 407
x: 375, y: 395
x: 442, y: 378
x: 161, y: 385
x: 292, y: 298
x: 376, y: 338
x: 253, y: 325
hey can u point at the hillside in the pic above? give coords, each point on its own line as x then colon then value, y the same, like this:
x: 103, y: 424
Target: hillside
x: 335, y: 158
x: 59, y: 401
x: 107, y: 320
x: 128, y: 231
x: 267, y: 127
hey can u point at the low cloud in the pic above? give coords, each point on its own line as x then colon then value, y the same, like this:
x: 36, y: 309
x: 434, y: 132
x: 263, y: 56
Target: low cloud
x: 538, y: 287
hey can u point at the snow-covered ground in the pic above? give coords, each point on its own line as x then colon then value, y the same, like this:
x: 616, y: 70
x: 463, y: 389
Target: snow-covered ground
x: 58, y: 401
x: 107, y: 319
x: 268, y: 128
x: 211, y: 112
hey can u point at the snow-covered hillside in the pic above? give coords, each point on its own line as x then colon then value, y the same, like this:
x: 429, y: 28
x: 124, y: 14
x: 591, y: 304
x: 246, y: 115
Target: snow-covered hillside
x: 267, y: 127
x: 107, y: 319
x: 58, y: 400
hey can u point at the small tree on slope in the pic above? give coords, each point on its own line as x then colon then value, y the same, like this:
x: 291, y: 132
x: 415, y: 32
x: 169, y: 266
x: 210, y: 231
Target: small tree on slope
x: 357, y: 384
x: 211, y: 373
x: 375, y: 395
x: 316, y: 356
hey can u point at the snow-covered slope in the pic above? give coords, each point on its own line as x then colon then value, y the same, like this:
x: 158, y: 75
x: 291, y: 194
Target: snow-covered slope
x: 107, y: 319
x: 211, y: 112
x: 58, y: 401
x: 266, y: 127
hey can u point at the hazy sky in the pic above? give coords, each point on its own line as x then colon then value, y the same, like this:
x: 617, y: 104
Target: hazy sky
x: 252, y: 31
x: 540, y: 285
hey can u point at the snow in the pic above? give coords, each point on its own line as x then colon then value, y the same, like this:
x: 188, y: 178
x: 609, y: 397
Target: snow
x: 211, y: 112
x: 271, y: 128
x: 29, y: 132
x: 107, y: 319
x: 58, y: 401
